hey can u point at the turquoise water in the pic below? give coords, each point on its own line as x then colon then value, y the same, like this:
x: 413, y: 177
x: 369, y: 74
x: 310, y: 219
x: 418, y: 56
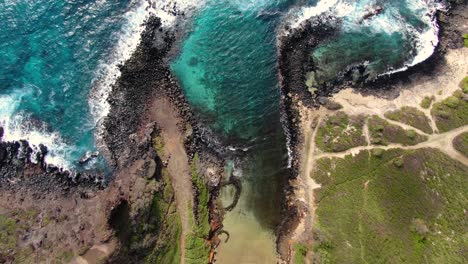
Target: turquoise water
x: 49, y: 56
x: 227, y: 67
x: 401, y: 35
x: 53, y: 54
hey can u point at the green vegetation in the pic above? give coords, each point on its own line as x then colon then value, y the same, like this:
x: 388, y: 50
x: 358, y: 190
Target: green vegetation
x: 340, y: 132
x: 13, y: 225
x: 451, y: 112
x: 426, y: 102
x: 8, y: 236
x: 197, y: 248
x: 64, y: 257
x: 460, y: 143
x: 158, y: 145
x: 394, y: 207
x: 464, y: 84
x: 465, y: 40
x: 166, y: 226
x: 384, y: 133
x: 300, y: 253
x: 412, y: 117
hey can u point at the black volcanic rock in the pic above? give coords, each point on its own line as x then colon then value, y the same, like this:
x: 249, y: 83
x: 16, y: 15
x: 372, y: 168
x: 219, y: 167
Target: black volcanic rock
x: 3, y: 152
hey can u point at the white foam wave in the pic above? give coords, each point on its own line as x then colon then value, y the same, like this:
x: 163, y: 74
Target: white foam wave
x: 338, y: 8
x: 108, y: 71
x: 390, y: 22
x: 17, y: 126
x: 426, y: 40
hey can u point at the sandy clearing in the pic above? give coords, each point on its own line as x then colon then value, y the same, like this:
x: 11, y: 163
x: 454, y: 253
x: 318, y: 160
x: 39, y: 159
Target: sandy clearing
x: 412, y: 94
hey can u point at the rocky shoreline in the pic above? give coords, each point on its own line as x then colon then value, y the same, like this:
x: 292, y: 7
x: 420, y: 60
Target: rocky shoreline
x: 128, y: 136
x: 294, y: 48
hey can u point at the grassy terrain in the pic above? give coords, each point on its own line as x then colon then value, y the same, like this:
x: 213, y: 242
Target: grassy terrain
x: 391, y: 206
x: 8, y: 235
x: 384, y: 133
x: 16, y: 224
x: 461, y: 143
x: 411, y: 116
x: 163, y: 221
x: 158, y: 145
x: 451, y: 112
x: 300, y: 253
x: 166, y: 226
x: 340, y: 132
x: 197, y: 248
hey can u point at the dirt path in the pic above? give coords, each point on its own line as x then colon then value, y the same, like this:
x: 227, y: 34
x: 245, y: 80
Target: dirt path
x: 443, y: 142
x: 178, y: 164
x: 304, y: 184
x: 366, y: 132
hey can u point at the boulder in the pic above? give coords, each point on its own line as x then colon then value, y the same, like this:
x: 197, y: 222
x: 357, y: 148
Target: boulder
x: 150, y: 168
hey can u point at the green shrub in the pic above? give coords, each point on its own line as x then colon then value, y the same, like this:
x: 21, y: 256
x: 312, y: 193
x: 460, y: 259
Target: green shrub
x: 460, y: 143
x: 377, y: 152
x: 411, y: 116
x: 426, y: 102
x: 383, y: 133
x: 452, y: 102
x: 406, y: 206
x: 451, y: 113
x: 340, y: 132
x: 300, y: 253
x: 464, y: 84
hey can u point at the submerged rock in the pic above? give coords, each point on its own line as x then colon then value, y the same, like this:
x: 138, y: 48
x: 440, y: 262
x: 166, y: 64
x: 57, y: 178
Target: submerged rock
x: 88, y: 156
x: 372, y: 13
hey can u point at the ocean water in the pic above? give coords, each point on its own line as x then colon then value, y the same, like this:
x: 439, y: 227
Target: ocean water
x: 403, y: 34
x: 58, y: 60
x: 227, y: 68
x: 51, y: 54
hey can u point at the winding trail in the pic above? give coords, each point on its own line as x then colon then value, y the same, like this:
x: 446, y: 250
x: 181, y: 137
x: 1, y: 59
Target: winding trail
x: 442, y: 141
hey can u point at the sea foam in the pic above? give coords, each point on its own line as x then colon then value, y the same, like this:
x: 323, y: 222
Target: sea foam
x: 108, y: 71
x: 18, y: 124
x: 425, y: 39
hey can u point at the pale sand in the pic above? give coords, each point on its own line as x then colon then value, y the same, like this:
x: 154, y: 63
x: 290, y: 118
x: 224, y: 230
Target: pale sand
x: 412, y: 94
